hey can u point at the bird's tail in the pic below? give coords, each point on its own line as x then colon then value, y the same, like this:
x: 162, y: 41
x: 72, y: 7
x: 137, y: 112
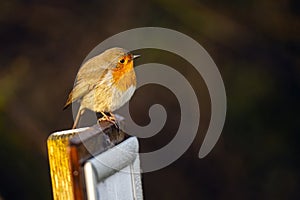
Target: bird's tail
x: 69, y: 102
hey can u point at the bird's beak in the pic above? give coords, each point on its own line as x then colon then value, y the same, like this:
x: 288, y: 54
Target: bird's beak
x: 136, y: 56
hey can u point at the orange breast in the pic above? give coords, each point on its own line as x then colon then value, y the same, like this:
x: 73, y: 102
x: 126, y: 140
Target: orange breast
x: 123, y: 75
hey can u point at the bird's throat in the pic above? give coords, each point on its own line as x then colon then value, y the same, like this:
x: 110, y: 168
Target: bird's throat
x: 124, y: 77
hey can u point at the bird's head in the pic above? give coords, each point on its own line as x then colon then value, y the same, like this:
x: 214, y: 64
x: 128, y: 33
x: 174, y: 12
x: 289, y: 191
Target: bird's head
x: 120, y: 61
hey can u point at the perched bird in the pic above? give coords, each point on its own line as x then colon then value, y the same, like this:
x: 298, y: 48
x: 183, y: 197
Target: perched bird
x: 104, y: 83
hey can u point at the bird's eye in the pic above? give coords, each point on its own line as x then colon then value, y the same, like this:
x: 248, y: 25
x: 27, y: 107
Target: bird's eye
x: 122, y: 61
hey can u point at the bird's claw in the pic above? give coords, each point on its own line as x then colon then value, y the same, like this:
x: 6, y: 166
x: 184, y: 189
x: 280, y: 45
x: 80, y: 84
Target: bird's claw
x: 111, y: 119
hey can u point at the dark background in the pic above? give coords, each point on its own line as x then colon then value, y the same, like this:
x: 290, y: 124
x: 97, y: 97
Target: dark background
x: 255, y: 44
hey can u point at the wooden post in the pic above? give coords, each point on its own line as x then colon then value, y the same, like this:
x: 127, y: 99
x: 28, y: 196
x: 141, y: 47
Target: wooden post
x: 69, y: 150
x: 115, y: 173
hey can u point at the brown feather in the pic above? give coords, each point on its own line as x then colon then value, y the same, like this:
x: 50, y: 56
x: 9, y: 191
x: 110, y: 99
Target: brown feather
x: 69, y: 101
x: 94, y: 81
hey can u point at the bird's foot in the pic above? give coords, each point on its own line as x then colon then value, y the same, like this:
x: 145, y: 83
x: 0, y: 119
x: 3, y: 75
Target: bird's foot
x: 110, y: 118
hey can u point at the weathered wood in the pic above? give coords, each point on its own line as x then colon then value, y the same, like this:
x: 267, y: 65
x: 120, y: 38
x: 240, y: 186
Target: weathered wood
x: 68, y: 150
x: 87, y: 144
x: 115, y: 173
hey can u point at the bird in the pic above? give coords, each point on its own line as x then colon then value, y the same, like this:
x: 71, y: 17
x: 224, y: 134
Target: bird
x: 104, y: 83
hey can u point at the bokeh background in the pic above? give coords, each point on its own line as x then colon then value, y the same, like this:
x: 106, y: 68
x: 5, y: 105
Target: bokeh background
x: 255, y: 44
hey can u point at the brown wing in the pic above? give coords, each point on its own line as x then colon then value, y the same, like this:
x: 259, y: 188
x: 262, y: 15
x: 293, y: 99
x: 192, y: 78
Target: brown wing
x: 92, y: 72
x: 89, y: 75
x: 77, y: 93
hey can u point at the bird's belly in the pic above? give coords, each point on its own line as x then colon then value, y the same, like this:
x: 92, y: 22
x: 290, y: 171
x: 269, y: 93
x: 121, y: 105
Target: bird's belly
x: 121, y: 97
x: 97, y: 100
x: 109, y: 96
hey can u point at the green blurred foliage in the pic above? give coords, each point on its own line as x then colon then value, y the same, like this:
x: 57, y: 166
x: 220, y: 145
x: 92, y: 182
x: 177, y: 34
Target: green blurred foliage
x: 254, y: 43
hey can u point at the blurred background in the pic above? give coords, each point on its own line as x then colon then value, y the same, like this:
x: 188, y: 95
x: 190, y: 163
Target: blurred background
x: 254, y: 43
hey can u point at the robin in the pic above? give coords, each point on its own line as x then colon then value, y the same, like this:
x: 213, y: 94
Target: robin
x: 104, y: 83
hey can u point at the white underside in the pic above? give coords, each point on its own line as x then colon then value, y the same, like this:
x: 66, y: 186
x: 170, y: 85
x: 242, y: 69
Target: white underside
x: 120, y: 98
